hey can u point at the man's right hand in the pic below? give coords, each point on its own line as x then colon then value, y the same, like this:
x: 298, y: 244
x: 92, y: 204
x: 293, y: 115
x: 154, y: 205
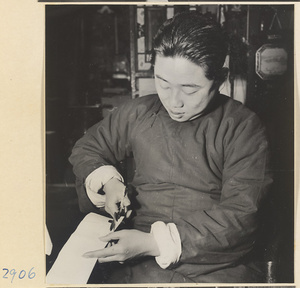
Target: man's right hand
x: 115, y: 197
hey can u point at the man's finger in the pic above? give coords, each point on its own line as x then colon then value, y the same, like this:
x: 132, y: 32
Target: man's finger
x: 93, y: 254
x: 109, y: 237
x: 109, y: 259
x: 125, y: 201
x: 112, y: 210
x: 106, y: 252
x: 128, y: 213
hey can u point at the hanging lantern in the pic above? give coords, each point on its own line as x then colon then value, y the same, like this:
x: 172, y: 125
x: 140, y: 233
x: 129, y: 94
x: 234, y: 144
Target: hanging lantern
x: 271, y: 61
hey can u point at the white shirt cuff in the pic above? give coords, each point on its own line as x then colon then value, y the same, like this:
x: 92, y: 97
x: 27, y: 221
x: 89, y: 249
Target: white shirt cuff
x: 168, y: 240
x: 97, y: 179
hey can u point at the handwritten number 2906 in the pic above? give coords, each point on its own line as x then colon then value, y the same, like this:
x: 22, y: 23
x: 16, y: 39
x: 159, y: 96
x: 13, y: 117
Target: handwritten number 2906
x: 22, y: 274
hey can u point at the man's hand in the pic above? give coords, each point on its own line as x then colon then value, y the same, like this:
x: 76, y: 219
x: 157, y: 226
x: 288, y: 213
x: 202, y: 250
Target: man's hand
x: 131, y: 244
x: 115, y: 197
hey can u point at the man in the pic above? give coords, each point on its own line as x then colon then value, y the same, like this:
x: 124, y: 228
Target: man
x: 201, y: 168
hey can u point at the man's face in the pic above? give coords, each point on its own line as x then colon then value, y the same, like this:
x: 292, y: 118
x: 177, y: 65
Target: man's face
x: 182, y: 87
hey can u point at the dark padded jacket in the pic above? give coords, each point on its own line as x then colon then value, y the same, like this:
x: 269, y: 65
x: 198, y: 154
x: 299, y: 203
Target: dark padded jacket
x: 208, y: 176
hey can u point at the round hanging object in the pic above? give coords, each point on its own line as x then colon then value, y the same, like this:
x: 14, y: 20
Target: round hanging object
x: 271, y: 61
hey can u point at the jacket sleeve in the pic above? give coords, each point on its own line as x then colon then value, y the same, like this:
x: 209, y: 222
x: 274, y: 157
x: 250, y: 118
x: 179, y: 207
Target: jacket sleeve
x: 227, y: 231
x: 105, y: 143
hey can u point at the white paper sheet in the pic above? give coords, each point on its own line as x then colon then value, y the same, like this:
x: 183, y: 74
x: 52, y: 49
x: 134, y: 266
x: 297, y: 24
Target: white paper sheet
x: 48, y: 242
x: 70, y: 267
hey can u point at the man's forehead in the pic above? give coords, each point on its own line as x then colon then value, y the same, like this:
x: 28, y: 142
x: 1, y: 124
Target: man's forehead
x: 179, y: 70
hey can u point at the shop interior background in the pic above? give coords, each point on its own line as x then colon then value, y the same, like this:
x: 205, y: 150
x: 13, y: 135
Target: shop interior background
x: 98, y: 56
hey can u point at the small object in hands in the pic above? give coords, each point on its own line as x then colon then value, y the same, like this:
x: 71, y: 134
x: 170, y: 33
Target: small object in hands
x: 117, y: 220
x: 114, y: 225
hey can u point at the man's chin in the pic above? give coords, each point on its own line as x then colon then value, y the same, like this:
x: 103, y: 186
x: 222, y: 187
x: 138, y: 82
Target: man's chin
x: 183, y: 117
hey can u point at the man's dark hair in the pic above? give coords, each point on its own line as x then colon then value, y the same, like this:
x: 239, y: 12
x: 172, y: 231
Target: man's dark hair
x: 195, y: 37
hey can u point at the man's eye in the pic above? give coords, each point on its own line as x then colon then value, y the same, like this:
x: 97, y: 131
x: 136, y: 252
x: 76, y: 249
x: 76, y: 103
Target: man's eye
x: 189, y: 90
x: 163, y: 84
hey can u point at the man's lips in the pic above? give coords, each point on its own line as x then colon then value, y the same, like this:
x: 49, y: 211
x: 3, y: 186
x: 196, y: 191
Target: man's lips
x: 176, y: 113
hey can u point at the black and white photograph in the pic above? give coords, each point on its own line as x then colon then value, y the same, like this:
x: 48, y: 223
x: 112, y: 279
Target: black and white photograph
x: 169, y: 143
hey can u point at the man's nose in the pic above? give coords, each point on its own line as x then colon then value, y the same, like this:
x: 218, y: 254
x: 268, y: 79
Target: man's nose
x: 176, y: 101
